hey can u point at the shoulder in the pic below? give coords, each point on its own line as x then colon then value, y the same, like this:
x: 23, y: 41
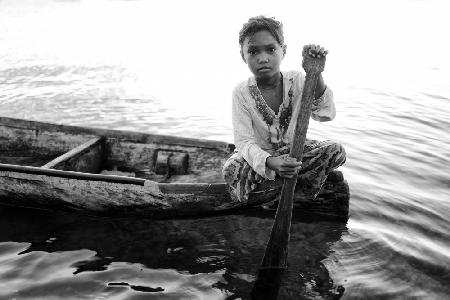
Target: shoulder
x: 241, y: 92
x: 240, y: 88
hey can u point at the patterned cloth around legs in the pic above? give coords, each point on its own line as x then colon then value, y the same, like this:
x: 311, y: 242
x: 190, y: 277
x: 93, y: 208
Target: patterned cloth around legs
x: 318, y: 160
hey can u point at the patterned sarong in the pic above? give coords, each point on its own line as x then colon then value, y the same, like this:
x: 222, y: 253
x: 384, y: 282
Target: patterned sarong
x: 318, y: 160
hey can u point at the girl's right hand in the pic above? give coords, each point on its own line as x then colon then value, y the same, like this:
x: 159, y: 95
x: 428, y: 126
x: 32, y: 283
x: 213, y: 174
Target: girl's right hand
x: 284, y: 165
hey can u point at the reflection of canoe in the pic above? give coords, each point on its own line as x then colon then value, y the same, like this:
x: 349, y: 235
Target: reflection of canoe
x: 120, y: 172
x: 230, y: 245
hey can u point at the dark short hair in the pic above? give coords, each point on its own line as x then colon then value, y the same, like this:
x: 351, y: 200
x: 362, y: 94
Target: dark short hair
x: 260, y: 23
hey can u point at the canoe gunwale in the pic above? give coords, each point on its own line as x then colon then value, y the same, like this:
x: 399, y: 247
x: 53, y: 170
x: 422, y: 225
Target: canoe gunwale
x: 169, y: 188
x: 123, y: 135
x: 72, y: 174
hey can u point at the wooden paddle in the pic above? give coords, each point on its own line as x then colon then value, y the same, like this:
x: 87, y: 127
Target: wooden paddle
x: 275, y: 257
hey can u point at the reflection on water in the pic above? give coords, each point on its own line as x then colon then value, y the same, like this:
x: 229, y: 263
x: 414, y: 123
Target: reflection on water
x: 213, y: 258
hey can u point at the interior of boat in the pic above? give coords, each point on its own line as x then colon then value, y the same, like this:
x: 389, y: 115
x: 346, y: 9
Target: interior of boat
x: 155, y: 158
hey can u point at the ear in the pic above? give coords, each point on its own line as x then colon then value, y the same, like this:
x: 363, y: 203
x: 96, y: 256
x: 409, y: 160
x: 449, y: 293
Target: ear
x: 242, y: 55
x: 284, y: 50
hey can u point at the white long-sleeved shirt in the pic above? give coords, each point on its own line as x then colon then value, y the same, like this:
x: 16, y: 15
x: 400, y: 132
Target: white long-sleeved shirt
x: 259, y: 132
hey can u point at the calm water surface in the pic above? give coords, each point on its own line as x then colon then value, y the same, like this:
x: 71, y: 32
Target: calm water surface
x: 170, y: 69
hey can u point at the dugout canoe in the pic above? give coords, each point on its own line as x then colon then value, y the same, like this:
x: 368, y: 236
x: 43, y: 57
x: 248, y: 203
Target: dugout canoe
x: 125, y: 173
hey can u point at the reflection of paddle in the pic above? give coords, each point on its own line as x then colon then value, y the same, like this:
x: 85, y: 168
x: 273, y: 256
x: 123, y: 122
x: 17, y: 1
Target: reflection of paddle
x: 275, y: 257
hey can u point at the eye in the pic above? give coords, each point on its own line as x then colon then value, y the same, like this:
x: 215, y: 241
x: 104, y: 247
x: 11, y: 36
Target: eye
x: 252, y: 52
x: 272, y: 50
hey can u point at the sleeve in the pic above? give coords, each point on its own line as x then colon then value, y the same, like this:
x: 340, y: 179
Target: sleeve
x: 244, y: 137
x: 323, y: 108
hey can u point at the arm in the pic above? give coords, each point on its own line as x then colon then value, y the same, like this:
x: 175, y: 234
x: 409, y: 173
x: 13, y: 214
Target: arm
x: 323, y: 108
x: 320, y: 87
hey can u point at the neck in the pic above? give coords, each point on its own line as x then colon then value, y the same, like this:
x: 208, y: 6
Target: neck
x: 269, y: 83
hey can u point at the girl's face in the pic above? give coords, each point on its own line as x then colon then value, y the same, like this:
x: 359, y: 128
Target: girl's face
x: 263, y: 55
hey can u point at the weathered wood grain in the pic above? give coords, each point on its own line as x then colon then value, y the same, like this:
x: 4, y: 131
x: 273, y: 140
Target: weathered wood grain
x: 141, y: 158
x: 201, y: 191
x: 275, y: 256
x: 35, y: 139
x: 26, y: 129
x: 126, y: 196
x: 88, y: 158
x: 277, y: 246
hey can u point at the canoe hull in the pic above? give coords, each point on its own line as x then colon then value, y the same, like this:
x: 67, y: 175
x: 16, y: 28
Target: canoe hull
x: 22, y: 189
x: 190, y: 183
x: 101, y: 197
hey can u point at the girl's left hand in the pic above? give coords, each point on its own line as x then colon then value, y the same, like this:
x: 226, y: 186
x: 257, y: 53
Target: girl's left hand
x: 315, y: 51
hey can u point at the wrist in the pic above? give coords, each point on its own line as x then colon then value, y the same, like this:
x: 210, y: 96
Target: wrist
x: 269, y: 161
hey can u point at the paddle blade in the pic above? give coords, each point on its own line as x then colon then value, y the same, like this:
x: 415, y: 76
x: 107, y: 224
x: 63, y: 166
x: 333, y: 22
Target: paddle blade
x: 267, y: 284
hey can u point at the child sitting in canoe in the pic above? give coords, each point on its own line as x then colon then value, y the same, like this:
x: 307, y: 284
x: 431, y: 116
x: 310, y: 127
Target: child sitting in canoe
x: 264, y: 114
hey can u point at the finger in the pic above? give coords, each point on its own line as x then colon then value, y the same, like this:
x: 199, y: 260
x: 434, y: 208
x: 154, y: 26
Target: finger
x: 306, y: 49
x: 284, y: 156
x: 292, y: 164
x: 291, y: 159
x: 287, y: 175
x: 291, y: 169
x: 315, y: 50
x: 291, y: 173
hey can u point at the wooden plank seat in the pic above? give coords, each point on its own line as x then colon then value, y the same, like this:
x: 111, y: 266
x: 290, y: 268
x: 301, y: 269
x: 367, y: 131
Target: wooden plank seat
x: 87, y: 158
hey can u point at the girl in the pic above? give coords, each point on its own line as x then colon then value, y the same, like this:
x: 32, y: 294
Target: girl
x: 264, y: 114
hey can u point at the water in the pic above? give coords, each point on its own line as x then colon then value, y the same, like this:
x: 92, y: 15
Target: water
x: 169, y: 69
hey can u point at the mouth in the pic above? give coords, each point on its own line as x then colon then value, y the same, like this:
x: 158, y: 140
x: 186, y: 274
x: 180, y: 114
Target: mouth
x: 264, y: 69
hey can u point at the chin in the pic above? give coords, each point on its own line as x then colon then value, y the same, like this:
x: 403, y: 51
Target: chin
x: 265, y: 75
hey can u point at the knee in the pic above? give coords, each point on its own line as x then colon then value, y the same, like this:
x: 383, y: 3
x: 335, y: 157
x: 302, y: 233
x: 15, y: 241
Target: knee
x: 231, y: 169
x: 227, y: 170
x: 341, y: 155
x: 335, y: 153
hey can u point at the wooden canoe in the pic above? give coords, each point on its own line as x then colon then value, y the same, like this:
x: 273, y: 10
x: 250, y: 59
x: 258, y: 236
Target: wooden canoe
x: 112, y: 172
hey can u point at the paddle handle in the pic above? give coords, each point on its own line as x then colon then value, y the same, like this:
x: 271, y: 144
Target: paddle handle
x: 277, y: 247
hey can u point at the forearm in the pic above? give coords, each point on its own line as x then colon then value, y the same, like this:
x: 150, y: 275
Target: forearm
x: 320, y: 87
x: 256, y: 158
x: 323, y: 108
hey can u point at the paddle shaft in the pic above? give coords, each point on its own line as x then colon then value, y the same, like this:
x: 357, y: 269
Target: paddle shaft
x: 277, y: 247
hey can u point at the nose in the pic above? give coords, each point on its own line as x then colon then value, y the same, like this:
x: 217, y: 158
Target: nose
x: 263, y: 58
